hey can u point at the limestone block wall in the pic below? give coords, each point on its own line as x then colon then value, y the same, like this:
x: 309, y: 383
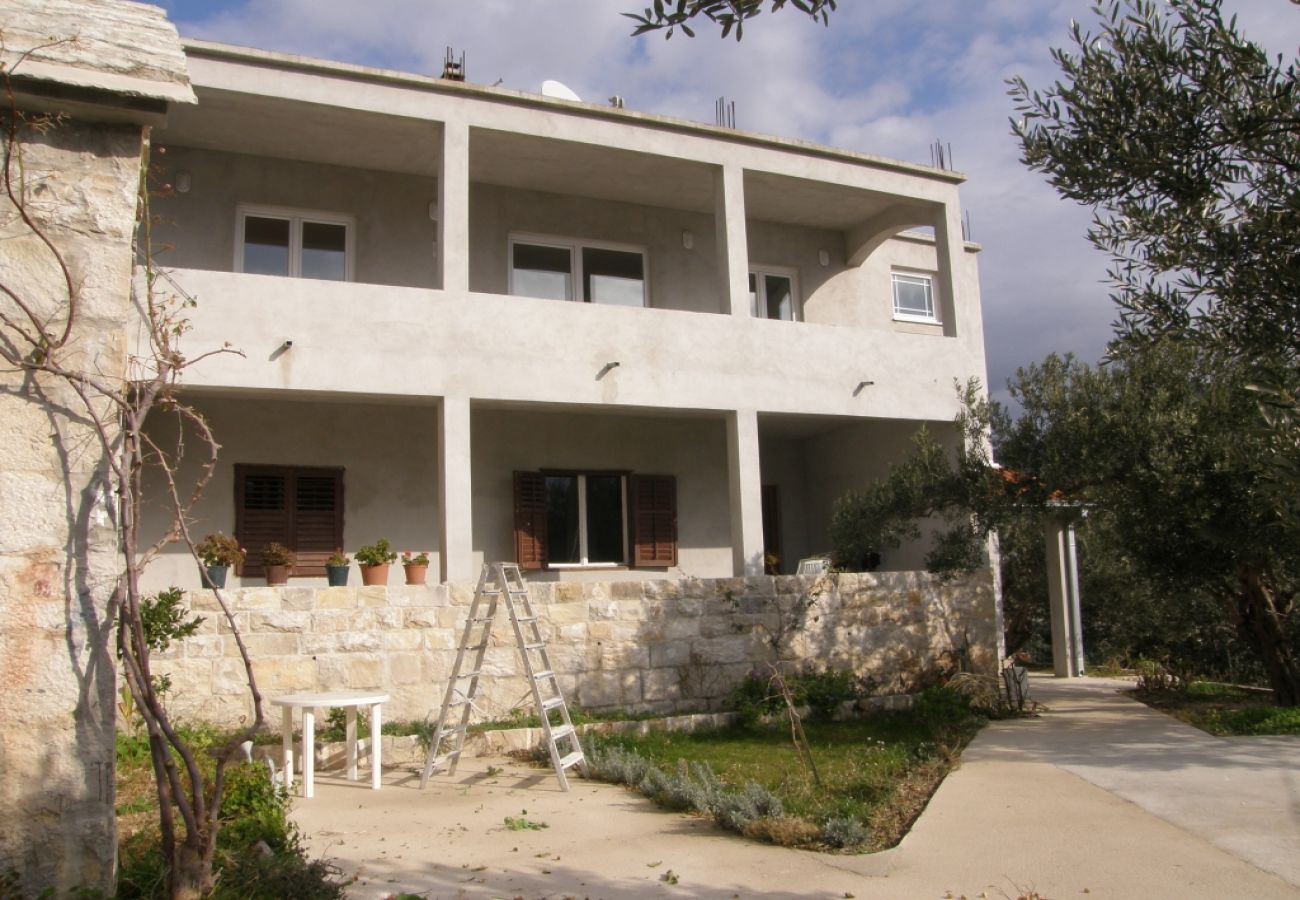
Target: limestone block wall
x: 58, y: 538
x: 644, y: 646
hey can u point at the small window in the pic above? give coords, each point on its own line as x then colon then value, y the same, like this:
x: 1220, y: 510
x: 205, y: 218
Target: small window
x: 294, y: 245
x: 914, y: 298
x: 299, y: 507
x: 560, y: 270
x: 772, y: 296
x: 574, y: 519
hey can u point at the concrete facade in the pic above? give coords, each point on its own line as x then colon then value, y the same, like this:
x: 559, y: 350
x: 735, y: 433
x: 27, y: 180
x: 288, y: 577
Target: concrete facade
x: 764, y: 423
x: 662, y: 646
x: 77, y: 179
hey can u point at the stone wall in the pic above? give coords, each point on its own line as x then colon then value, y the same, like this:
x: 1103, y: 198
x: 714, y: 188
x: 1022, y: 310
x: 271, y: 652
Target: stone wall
x: 59, y: 564
x: 644, y: 646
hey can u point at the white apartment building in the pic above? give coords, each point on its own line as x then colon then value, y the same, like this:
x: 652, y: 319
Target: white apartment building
x: 497, y: 325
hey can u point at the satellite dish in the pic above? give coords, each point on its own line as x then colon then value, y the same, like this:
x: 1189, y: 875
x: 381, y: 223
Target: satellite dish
x: 559, y: 91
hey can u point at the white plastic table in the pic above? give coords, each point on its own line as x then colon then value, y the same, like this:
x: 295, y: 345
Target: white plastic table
x: 309, y: 703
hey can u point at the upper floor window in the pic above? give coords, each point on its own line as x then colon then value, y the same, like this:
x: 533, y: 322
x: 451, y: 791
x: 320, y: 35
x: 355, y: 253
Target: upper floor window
x: 555, y: 269
x: 772, y: 295
x: 293, y: 243
x: 914, y: 298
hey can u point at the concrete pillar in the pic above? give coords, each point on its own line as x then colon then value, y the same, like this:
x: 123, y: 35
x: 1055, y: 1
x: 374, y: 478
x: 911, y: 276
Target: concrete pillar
x: 732, y: 239
x: 746, y: 489
x: 453, y: 208
x: 1063, y: 597
x: 949, y: 248
x: 454, y: 498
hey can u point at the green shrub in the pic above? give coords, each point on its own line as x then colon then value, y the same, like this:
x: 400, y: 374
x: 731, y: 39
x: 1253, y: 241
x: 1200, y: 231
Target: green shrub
x: 1254, y: 720
x: 844, y: 832
x: 825, y: 692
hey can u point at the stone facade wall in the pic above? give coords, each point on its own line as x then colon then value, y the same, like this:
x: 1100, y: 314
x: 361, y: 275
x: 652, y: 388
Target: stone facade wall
x: 643, y: 646
x: 58, y: 540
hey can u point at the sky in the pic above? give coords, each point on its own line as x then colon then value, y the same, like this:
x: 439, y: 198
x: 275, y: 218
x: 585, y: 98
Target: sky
x: 887, y: 77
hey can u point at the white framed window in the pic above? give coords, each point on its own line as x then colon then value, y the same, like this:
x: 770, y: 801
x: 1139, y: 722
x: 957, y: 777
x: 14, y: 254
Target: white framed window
x: 295, y: 243
x: 914, y: 297
x: 586, y: 520
x: 561, y: 269
x: 774, y: 294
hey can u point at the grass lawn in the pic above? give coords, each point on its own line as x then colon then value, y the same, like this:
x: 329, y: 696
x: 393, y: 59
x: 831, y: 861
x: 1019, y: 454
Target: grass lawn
x: 876, y: 773
x: 1225, y: 709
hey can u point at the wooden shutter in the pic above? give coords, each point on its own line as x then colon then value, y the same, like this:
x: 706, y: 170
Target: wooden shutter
x: 301, y: 508
x: 317, y: 518
x: 530, y: 520
x: 654, y: 521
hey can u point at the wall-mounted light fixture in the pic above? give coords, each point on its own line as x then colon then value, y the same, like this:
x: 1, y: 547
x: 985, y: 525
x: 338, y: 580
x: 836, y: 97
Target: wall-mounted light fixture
x: 606, y: 369
x: 183, y: 182
x: 824, y: 257
x: 862, y: 384
x: 688, y: 239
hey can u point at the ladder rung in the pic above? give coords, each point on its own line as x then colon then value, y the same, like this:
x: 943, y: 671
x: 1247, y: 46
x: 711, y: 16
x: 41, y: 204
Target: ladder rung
x: 552, y: 703
x: 537, y: 646
x: 525, y: 619
x: 476, y: 647
x: 542, y: 676
x: 483, y: 618
x: 473, y: 674
x: 561, y: 731
x: 572, y: 760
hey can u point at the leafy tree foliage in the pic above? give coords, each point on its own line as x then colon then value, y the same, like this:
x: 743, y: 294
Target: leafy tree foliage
x: 1185, y: 139
x: 730, y: 15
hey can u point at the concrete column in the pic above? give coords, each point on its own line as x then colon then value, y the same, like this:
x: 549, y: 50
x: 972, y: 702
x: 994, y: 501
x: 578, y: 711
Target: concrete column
x: 1063, y: 597
x: 453, y: 208
x: 746, y: 488
x: 732, y: 239
x: 454, y: 503
x: 949, y: 248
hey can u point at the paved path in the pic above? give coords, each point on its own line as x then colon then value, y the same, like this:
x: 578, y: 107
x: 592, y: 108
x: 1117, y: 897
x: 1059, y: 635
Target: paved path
x: 1098, y: 798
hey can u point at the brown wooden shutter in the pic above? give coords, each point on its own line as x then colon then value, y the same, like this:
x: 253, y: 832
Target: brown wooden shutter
x: 530, y: 520
x: 317, y: 518
x: 301, y: 508
x: 654, y: 521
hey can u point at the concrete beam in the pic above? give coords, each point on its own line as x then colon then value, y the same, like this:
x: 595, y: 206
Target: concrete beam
x: 862, y: 241
x: 453, y: 208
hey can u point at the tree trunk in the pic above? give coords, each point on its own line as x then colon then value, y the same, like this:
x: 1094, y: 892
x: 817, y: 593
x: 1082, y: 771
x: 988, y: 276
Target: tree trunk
x: 190, y: 877
x: 1259, y: 623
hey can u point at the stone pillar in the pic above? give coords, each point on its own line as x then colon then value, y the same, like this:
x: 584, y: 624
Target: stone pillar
x: 732, y: 239
x: 746, y: 489
x: 949, y: 248
x: 59, y: 560
x: 453, y: 208
x: 454, y: 496
x: 1063, y: 597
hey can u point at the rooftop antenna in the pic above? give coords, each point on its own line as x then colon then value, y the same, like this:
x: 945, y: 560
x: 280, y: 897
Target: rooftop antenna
x: 616, y: 101
x: 724, y: 113
x: 966, y: 233
x: 940, y: 159
x: 452, y: 68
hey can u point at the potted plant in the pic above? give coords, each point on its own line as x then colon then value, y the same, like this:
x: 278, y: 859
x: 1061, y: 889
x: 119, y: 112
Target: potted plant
x: 277, y: 561
x: 374, y: 560
x: 336, y: 568
x: 416, y: 567
x: 218, y: 552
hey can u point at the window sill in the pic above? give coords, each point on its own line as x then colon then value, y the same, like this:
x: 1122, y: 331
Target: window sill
x: 916, y: 320
x: 569, y: 567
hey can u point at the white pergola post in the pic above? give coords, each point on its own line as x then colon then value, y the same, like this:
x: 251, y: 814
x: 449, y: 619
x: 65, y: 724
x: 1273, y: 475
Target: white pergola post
x: 1063, y: 597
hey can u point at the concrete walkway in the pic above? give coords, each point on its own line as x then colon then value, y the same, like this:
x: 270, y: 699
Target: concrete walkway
x: 1100, y: 797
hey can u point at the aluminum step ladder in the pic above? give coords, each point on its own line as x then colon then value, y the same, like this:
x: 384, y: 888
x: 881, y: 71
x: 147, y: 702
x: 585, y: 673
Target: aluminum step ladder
x: 497, y: 582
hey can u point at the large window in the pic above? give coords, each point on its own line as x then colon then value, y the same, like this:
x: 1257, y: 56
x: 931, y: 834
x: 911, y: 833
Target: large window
x: 296, y: 244
x: 555, y: 269
x: 593, y: 519
x: 914, y: 298
x: 772, y: 295
x: 299, y: 507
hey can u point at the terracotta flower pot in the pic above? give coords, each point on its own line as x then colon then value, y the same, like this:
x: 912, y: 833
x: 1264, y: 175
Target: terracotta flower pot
x: 416, y: 574
x: 277, y: 574
x: 372, y: 576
